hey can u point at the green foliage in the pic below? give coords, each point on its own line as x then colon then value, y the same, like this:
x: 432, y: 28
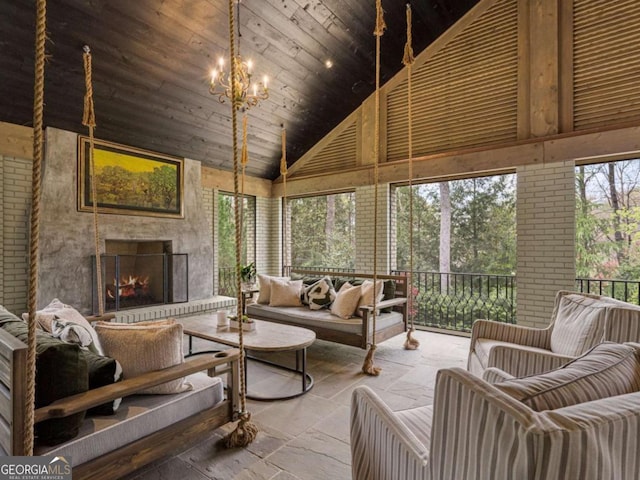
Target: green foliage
x: 226, y: 234
x: 248, y: 272
x: 483, y: 226
x: 323, y: 230
x: 608, y: 220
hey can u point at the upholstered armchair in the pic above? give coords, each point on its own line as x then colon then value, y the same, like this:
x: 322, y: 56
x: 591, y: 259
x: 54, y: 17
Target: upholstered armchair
x: 579, y: 321
x: 579, y: 421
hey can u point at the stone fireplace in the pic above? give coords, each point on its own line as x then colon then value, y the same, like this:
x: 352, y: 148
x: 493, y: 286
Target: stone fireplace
x: 67, y: 241
x: 138, y: 274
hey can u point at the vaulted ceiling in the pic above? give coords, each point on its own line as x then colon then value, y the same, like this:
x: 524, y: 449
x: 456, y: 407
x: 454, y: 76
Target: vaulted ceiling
x: 152, y: 58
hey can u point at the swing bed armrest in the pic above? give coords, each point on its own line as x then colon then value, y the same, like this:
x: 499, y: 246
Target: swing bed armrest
x: 222, y: 362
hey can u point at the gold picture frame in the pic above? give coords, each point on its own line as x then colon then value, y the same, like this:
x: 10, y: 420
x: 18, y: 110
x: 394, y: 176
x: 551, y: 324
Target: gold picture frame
x: 130, y: 181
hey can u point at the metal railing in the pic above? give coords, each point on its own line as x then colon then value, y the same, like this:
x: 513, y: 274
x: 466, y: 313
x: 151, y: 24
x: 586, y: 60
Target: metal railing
x: 625, y: 290
x: 287, y: 269
x: 453, y: 301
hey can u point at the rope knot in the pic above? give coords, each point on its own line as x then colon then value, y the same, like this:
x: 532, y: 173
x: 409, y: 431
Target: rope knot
x: 244, y: 434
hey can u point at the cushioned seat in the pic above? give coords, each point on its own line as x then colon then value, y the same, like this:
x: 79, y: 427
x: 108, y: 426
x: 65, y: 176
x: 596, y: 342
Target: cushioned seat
x: 138, y: 415
x: 579, y: 321
x: 577, y: 422
x: 304, y: 317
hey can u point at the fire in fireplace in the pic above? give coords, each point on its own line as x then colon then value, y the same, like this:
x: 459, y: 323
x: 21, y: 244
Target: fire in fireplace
x: 134, y: 279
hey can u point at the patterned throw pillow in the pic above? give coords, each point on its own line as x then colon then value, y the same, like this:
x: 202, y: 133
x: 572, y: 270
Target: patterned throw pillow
x: 320, y: 295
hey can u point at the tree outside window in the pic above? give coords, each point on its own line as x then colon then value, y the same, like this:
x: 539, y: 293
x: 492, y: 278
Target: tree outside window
x: 226, y: 234
x: 322, y: 231
x: 608, y: 220
x: 459, y: 226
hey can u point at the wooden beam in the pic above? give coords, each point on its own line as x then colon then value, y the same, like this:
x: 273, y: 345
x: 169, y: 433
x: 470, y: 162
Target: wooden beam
x: 595, y: 146
x: 223, y: 180
x: 543, y: 69
x: 445, y: 165
x: 16, y: 141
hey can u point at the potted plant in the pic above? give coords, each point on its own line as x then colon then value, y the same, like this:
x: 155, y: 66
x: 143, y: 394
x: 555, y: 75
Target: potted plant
x: 248, y: 324
x: 248, y: 276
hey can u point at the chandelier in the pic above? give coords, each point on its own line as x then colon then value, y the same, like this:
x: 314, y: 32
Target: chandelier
x: 247, y: 94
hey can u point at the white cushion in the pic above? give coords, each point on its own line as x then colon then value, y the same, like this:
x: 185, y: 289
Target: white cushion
x: 285, y: 293
x: 579, y: 324
x: 366, y: 295
x: 264, y: 296
x: 141, y: 348
x: 346, y: 302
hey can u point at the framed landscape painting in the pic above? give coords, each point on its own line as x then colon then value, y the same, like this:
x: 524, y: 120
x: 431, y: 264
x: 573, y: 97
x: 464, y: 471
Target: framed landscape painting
x: 130, y: 181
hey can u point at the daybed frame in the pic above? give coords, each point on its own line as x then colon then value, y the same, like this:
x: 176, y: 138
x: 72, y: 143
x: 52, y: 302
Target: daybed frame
x: 365, y: 336
x: 126, y: 458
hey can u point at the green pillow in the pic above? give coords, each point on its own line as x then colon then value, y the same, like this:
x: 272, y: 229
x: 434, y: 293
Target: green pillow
x: 61, y: 370
x: 389, y: 292
x: 102, y: 371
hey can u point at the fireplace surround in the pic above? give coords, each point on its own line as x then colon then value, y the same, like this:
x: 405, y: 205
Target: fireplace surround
x: 138, y: 274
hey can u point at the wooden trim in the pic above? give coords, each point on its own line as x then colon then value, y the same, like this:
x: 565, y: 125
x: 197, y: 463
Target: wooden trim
x: 565, y: 71
x: 16, y: 141
x: 543, y: 108
x: 622, y: 140
x: 524, y: 74
x: 223, y: 180
x: 97, y: 396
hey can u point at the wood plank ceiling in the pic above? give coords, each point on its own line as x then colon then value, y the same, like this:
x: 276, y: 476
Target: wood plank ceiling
x: 152, y: 58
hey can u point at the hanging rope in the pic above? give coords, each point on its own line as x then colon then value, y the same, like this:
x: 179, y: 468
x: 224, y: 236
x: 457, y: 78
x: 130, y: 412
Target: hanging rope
x: 244, y: 160
x: 245, y: 431
x: 283, y: 172
x: 408, y: 60
x: 38, y: 108
x: 368, y: 366
x: 89, y: 120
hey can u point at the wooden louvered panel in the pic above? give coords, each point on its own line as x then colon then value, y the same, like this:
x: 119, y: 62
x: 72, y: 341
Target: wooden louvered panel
x: 606, y: 45
x: 339, y: 154
x: 466, y: 94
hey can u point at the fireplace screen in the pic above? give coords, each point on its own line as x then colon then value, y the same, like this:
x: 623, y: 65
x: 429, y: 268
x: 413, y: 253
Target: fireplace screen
x: 142, y: 280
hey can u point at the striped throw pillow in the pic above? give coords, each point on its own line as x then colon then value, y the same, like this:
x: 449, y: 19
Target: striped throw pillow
x: 606, y: 370
x: 579, y: 324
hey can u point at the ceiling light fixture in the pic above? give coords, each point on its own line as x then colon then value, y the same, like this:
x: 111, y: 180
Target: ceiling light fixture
x: 247, y: 94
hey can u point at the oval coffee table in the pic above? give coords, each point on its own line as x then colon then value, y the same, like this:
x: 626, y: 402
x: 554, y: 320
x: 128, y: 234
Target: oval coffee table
x: 267, y: 337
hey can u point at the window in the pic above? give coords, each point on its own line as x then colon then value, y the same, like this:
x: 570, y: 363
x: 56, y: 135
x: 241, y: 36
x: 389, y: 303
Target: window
x: 226, y: 234
x: 608, y: 220
x: 459, y: 226
x: 322, y: 231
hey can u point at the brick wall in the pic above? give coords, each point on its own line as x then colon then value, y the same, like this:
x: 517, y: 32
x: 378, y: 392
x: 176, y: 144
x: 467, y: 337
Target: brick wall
x: 15, y: 196
x: 210, y: 203
x: 365, y: 206
x: 268, y: 235
x: 546, y: 236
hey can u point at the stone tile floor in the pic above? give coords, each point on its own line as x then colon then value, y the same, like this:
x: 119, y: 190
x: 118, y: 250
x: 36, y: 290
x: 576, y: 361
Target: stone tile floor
x: 307, y: 438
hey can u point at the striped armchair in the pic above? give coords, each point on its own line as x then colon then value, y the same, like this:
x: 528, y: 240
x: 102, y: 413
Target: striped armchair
x: 579, y: 321
x: 476, y: 430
